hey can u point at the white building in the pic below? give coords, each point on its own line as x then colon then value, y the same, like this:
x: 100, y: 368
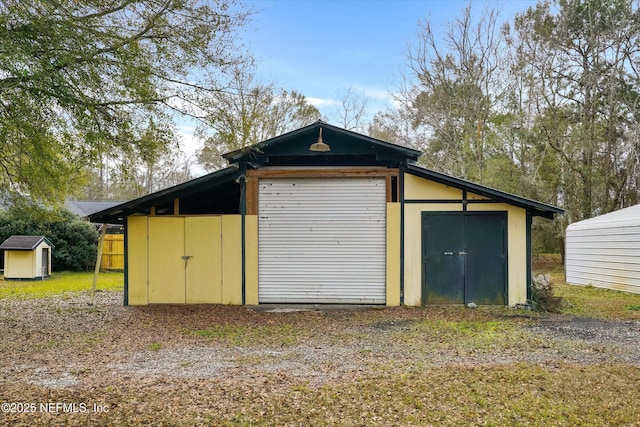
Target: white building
x: 605, y: 251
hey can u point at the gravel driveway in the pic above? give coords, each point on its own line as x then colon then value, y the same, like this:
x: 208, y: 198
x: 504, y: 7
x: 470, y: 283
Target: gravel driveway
x: 64, y: 342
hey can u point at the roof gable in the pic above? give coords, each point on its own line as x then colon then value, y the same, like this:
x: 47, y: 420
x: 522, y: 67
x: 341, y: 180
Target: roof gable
x: 220, y: 192
x: 534, y: 207
x: 345, y: 148
x: 24, y: 243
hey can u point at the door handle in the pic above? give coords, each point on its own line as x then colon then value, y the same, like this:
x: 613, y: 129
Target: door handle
x: 462, y: 253
x: 186, y: 259
x: 448, y: 253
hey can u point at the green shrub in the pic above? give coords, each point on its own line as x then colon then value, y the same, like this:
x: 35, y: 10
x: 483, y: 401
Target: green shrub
x: 75, y: 240
x: 542, y: 295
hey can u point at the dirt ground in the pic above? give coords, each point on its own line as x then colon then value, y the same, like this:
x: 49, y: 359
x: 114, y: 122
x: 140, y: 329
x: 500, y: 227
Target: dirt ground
x: 116, y: 364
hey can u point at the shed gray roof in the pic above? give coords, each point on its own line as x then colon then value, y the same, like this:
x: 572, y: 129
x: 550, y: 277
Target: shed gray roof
x: 23, y: 243
x: 84, y: 208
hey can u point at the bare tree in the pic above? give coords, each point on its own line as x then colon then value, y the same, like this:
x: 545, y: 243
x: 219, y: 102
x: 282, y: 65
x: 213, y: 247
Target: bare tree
x: 352, y: 109
x: 249, y: 112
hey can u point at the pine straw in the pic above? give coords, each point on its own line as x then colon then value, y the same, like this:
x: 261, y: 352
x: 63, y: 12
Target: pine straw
x: 223, y: 365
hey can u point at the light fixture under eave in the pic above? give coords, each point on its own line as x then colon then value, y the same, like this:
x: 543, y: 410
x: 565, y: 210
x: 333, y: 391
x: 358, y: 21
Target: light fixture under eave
x: 319, y: 145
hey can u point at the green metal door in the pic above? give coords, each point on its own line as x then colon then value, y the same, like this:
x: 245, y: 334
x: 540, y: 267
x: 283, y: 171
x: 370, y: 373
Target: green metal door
x: 485, y: 259
x: 464, y: 257
x: 443, y: 258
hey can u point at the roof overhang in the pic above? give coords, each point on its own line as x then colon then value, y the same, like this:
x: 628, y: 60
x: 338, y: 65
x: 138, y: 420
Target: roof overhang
x: 214, y: 193
x: 24, y: 243
x: 532, y: 206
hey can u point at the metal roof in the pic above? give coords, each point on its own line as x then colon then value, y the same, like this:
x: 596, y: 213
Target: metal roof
x: 534, y: 207
x: 219, y: 192
x: 24, y: 243
x: 84, y: 208
x: 621, y: 217
x: 214, y: 193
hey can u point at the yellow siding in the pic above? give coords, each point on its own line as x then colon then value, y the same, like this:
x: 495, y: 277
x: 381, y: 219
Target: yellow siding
x: 166, y: 266
x: 251, y: 260
x: 393, y: 254
x: 158, y: 274
x: 423, y: 189
x: 231, y: 259
x: 413, y: 247
x: 204, y: 268
x: 137, y: 260
x: 517, y: 248
x: 19, y: 264
x: 472, y: 196
x: 419, y: 188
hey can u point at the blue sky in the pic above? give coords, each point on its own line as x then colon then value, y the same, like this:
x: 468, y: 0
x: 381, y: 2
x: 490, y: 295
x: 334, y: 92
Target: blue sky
x: 322, y: 47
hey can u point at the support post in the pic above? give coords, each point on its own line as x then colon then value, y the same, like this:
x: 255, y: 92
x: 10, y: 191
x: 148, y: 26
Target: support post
x: 103, y: 232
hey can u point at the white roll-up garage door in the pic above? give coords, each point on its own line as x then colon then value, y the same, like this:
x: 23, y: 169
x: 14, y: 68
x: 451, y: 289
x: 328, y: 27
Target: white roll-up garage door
x: 322, y: 240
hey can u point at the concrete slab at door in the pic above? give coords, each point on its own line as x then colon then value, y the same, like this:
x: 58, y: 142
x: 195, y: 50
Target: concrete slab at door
x: 203, y: 244
x: 166, y: 265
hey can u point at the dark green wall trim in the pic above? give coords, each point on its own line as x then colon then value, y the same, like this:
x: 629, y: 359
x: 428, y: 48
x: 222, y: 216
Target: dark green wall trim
x: 402, y: 168
x: 433, y: 201
x: 479, y: 202
x: 529, y: 255
x: 464, y: 200
x: 126, y: 263
x: 243, y: 212
x: 453, y: 201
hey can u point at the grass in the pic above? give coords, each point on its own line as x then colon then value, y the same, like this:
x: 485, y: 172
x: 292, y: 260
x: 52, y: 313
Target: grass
x: 455, y: 388
x: 60, y: 283
x: 590, y: 301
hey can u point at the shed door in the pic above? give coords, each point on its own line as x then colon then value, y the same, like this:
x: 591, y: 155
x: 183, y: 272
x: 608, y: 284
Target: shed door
x: 322, y: 240
x: 443, y: 264
x: 185, y: 261
x: 45, y: 262
x: 464, y: 257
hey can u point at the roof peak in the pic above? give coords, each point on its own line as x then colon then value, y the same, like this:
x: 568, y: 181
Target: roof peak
x: 339, y: 146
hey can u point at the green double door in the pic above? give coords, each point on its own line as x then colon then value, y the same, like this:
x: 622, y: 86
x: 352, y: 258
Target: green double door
x: 464, y: 257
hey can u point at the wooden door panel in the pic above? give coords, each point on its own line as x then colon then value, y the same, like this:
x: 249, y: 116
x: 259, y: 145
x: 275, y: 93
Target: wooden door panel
x: 165, y: 263
x: 204, y: 265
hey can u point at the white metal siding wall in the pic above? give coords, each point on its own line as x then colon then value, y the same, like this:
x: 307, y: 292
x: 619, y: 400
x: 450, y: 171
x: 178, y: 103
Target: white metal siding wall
x: 322, y: 240
x: 605, y: 251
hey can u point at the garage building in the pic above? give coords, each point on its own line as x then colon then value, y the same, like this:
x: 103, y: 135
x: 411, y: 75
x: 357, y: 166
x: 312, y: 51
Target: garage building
x: 605, y: 251
x: 324, y: 215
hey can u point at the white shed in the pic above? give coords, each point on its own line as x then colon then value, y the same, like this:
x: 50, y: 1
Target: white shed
x: 605, y: 251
